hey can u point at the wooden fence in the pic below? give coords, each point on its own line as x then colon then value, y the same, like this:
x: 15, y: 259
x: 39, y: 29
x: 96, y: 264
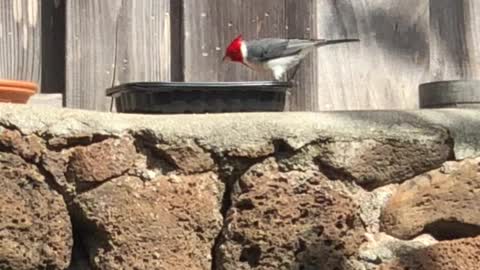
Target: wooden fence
x: 81, y: 47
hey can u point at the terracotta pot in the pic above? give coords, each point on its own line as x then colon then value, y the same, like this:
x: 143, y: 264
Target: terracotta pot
x: 16, y: 91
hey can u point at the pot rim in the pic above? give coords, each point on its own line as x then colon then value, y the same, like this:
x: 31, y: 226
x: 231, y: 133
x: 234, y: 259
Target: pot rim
x: 20, y: 84
x: 26, y: 91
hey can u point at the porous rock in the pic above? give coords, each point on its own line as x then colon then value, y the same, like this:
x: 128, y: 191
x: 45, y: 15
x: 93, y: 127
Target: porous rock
x: 377, y: 162
x: 166, y: 223
x: 35, y: 229
x: 460, y: 254
x: 371, y: 205
x: 382, y: 248
x: 288, y: 220
x: 99, y: 162
x: 187, y: 156
x: 442, y: 202
x: 56, y: 164
x: 28, y: 147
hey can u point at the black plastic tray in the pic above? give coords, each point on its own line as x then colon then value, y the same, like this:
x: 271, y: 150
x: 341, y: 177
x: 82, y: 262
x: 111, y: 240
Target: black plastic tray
x: 199, y: 97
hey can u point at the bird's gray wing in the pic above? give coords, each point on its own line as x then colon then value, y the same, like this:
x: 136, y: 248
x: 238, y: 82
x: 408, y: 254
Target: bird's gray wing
x: 271, y: 48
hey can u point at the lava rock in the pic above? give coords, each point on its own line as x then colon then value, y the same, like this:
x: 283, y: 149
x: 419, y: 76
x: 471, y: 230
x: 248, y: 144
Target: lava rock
x: 167, y: 223
x: 288, y: 220
x: 99, y: 162
x: 443, y: 202
x: 460, y: 254
x: 35, y: 228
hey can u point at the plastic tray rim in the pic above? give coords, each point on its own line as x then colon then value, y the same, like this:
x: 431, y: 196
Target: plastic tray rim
x: 205, y: 86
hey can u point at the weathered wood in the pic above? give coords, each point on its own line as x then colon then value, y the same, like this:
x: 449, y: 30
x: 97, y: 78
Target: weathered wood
x: 209, y: 27
x: 111, y: 42
x: 91, y: 52
x: 455, y: 39
x: 381, y: 72
x: 384, y: 70
x: 143, y: 44
x: 301, y: 24
x: 20, y: 40
x: 53, y: 46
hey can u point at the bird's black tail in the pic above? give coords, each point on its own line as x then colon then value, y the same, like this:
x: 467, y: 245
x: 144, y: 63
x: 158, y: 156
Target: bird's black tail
x: 335, y: 41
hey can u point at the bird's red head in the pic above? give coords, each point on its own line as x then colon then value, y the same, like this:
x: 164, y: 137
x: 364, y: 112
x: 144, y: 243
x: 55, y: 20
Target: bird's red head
x: 234, y: 50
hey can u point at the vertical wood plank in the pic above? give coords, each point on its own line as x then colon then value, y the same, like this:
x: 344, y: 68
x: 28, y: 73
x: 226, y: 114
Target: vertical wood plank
x: 53, y: 46
x: 111, y: 42
x: 20, y: 40
x: 210, y: 25
x: 91, y: 51
x: 455, y: 39
x: 383, y: 70
x: 143, y: 45
x: 301, y: 24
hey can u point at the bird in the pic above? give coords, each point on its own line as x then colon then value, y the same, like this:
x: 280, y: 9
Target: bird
x: 274, y: 55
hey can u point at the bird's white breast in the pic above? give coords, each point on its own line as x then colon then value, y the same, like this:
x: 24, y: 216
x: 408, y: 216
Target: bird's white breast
x: 244, y: 50
x: 278, y: 66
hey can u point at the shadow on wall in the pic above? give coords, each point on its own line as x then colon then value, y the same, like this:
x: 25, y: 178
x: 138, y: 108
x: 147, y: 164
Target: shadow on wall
x: 408, y: 29
x: 402, y: 37
x: 448, y: 30
x: 391, y: 26
x: 382, y: 71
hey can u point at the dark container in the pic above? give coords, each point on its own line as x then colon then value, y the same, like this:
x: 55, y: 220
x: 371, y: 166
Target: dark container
x: 199, y: 97
x: 450, y: 94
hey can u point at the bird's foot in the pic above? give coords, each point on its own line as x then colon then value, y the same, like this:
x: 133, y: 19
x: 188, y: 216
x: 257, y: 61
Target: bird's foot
x: 290, y: 78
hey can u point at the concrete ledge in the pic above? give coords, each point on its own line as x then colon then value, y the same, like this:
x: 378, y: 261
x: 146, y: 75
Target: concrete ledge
x: 237, y: 131
x: 51, y: 100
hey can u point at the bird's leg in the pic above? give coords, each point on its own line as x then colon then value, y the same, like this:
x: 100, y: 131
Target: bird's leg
x: 294, y: 72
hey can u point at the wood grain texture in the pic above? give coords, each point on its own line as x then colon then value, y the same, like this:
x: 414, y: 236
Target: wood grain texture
x: 455, y: 39
x: 20, y: 40
x: 116, y: 41
x: 381, y: 72
x: 143, y: 49
x: 91, y: 52
x: 111, y: 42
x: 301, y: 24
x: 210, y: 25
x: 384, y: 70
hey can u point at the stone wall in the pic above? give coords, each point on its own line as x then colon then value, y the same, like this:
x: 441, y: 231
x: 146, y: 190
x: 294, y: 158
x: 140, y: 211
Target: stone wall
x: 345, y: 190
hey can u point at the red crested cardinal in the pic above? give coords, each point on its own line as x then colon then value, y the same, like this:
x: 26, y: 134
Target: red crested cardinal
x: 275, y: 55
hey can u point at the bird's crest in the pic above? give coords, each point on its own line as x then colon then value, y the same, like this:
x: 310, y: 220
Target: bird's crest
x: 234, y: 49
